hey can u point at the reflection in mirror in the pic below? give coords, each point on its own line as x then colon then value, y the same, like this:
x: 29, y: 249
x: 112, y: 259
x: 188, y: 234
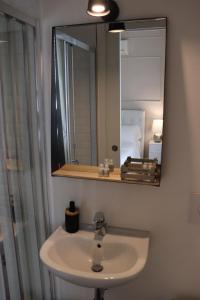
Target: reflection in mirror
x: 107, y: 92
x: 75, y: 92
x: 142, y: 91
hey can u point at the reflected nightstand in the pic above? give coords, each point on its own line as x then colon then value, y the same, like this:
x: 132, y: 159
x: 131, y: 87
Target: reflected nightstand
x: 155, y: 150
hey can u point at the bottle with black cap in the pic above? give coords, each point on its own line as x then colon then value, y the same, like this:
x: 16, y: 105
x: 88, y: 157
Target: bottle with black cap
x: 72, y: 218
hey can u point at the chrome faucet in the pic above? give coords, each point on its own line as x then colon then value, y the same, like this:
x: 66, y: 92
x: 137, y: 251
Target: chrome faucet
x: 100, y: 226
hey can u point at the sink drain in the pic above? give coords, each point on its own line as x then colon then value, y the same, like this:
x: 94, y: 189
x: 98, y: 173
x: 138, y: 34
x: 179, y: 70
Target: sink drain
x: 97, y: 268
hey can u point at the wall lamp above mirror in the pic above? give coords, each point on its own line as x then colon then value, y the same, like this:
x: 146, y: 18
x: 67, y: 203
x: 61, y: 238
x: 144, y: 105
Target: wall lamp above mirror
x: 98, y: 8
x: 107, y: 9
x: 107, y: 106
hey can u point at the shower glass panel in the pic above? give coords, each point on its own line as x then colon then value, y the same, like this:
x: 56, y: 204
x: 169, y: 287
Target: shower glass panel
x: 22, y: 189
x: 76, y: 100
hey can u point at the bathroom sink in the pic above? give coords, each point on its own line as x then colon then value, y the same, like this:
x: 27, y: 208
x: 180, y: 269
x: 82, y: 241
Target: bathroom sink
x: 71, y: 256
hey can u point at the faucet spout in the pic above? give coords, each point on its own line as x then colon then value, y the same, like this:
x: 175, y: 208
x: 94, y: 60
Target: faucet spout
x: 100, y: 233
x: 100, y: 226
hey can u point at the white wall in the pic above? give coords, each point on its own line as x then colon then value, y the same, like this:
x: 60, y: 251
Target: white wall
x: 174, y: 262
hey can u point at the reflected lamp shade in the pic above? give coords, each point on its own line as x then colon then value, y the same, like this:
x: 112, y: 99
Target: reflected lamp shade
x: 98, y: 8
x: 116, y: 27
x: 157, y: 128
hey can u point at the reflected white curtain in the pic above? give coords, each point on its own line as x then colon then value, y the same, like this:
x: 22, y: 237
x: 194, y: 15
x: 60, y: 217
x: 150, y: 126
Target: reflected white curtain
x: 22, y: 187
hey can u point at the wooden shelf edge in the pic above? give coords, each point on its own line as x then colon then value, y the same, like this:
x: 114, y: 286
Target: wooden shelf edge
x: 91, y: 173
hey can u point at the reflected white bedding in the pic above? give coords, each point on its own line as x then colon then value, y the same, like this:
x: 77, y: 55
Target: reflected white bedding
x: 130, y: 142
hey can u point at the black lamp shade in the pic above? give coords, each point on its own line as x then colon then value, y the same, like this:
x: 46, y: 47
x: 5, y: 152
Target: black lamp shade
x: 116, y: 27
x: 98, y: 8
x: 114, y: 12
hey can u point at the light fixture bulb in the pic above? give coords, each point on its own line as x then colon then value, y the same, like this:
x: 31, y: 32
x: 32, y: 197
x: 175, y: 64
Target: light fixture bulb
x: 98, y: 8
x: 116, y: 30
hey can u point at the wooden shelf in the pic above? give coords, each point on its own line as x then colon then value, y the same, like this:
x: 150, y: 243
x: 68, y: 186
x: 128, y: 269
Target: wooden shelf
x: 86, y: 172
x: 91, y: 173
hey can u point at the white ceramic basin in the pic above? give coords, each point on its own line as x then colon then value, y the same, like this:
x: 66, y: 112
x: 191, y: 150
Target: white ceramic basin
x: 70, y: 256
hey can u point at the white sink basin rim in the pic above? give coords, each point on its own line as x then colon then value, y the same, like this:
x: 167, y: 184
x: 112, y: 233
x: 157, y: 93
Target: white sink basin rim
x: 71, y: 256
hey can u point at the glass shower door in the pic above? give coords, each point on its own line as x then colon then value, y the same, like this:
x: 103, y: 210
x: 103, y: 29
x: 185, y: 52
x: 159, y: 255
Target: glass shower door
x: 22, y: 191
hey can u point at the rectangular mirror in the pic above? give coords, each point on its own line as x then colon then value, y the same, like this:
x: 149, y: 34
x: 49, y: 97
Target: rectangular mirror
x: 107, y: 95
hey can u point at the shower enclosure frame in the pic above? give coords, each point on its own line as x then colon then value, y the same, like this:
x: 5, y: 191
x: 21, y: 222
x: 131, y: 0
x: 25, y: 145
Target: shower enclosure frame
x: 15, y: 13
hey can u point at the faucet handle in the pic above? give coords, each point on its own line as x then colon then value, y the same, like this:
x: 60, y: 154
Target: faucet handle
x: 99, y: 217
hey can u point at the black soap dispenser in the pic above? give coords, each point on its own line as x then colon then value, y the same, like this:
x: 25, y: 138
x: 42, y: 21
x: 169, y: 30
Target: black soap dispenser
x: 72, y: 218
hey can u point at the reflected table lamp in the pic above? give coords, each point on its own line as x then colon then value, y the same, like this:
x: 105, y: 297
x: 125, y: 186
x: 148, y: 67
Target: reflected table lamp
x: 157, y: 128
